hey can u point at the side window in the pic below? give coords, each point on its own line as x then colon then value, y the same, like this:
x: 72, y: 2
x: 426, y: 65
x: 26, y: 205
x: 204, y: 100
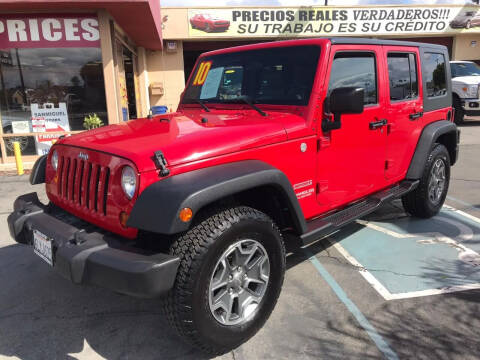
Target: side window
x: 355, y: 69
x: 402, y: 76
x: 434, y: 73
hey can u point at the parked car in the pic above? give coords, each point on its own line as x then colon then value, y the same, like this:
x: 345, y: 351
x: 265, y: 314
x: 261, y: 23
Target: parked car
x: 209, y: 23
x: 465, y: 89
x: 466, y: 20
x: 194, y: 206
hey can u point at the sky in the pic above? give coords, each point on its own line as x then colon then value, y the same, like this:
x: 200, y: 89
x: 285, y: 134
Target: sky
x: 217, y: 3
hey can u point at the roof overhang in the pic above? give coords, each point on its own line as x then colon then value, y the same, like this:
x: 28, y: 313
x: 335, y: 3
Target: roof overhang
x: 140, y: 19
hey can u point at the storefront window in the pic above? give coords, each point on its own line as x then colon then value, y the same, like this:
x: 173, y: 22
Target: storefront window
x: 54, y: 85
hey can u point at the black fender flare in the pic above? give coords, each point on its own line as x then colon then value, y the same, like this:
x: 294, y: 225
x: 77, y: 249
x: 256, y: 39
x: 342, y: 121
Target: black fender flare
x: 37, y: 176
x: 428, y: 138
x: 158, y: 206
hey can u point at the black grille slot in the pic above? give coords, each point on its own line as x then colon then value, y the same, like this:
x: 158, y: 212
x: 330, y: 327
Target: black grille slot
x: 66, y: 175
x: 80, y: 179
x: 105, y: 192
x: 74, y: 177
x: 89, y: 177
x: 97, y: 180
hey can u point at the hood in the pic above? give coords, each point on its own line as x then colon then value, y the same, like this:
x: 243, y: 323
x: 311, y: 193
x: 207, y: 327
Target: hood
x: 467, y: 80
x: 184, y: 138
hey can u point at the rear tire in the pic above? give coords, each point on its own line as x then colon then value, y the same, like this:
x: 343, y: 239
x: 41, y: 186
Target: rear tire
x: 189, y: 306
x: 428, y: 198
x: 459, y: 111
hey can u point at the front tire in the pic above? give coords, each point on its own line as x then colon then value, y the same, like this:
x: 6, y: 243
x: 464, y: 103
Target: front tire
x: 231, y: 271
x: 428, y: 198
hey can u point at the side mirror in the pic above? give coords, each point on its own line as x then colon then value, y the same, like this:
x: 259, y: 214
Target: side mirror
x: 343, y: 100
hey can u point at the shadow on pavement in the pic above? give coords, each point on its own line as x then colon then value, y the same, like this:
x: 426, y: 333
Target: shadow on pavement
x: 44, y: 316
x: 434, y: 327
x: 470, y: 122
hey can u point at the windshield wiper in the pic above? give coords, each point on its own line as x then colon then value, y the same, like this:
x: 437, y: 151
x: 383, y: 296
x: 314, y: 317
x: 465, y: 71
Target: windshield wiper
x: 202, y: 105
x: 247, y: 101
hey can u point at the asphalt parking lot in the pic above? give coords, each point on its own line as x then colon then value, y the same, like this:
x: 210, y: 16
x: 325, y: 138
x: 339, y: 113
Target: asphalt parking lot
x: 388, y: 286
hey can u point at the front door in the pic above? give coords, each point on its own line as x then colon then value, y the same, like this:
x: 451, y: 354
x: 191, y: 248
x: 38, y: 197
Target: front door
x: 351, y: 160
x: 405, y: 109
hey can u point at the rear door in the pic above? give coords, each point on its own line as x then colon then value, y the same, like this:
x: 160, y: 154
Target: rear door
x: 351, y: 159
x: 404, y: 112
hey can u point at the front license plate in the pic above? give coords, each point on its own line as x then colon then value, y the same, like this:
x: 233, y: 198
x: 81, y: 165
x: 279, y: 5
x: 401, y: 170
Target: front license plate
x: 42, y: 246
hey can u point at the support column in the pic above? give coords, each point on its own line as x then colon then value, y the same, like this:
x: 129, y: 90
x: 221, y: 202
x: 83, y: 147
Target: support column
x: 143, y: 81
x: 108, y: 63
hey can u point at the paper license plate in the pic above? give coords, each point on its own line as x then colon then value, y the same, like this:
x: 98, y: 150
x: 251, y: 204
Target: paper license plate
x: 42, y: 246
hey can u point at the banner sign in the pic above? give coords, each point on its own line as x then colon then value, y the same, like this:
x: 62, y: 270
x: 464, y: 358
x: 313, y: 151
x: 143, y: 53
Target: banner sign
x: 325, y: 21
x: 48, y: 118
x: 45, y: 31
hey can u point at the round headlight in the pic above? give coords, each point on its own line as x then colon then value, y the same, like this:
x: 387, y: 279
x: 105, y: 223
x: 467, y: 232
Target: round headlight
x: 129, y: 181
x: 54, y: 160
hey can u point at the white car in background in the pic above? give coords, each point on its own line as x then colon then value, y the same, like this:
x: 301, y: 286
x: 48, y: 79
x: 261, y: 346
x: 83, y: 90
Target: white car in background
x: 465, y: 89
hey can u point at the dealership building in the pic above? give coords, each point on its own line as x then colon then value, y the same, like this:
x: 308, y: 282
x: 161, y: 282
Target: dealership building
x: 67, y: 66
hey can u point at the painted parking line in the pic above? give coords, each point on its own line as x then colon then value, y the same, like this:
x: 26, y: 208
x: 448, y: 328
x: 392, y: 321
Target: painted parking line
x: 381, y: 344
x: 408, y: 257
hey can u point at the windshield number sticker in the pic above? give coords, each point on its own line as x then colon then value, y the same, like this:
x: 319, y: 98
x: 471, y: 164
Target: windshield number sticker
x: 202, y: 73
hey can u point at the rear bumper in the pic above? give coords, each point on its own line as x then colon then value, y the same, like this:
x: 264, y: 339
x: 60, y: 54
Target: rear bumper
x: 89, y: 257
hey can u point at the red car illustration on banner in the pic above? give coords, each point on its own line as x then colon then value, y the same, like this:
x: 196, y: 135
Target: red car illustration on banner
x: 209, y: 23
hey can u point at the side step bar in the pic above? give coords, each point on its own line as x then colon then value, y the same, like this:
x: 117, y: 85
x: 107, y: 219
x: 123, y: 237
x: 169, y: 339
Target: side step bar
x: 321, y: 227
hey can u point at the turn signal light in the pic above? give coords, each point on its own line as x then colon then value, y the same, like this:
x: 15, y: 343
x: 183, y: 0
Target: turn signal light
x: 123, y: 217
x: 186, y: 214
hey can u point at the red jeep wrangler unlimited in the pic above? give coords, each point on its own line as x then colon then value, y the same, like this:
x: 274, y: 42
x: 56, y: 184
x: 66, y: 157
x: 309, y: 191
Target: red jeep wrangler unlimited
x: 299, y: 137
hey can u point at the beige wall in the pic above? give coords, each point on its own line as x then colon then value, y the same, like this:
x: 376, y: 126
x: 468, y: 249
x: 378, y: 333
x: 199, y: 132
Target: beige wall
x: 463, y: 49
x: 109, y: 74
x: 143, y: 82
x: 176, y: 25
x: 166, y: 68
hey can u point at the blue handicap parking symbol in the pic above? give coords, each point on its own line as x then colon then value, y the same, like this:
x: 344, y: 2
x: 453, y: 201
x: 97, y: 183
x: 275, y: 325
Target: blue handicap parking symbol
x: 404, y: 257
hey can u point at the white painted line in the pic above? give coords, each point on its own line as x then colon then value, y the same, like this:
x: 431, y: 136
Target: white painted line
x: 387, y: 295
x: 460, y: 212
x: 465, y: 234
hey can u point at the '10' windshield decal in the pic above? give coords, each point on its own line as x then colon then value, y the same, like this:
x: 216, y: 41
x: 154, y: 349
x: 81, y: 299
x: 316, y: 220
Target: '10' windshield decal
x: 202, y: 73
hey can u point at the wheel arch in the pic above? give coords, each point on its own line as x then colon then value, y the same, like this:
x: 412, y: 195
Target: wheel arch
x: 443, y: 132
x: 249, y: 182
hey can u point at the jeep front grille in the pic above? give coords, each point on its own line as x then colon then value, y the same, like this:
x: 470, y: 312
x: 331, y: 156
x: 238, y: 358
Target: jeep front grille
x: 83, y: 183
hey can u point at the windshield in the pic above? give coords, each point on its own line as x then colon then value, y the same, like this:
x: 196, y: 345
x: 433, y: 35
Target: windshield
x: 280, y: 76
x: 465, y: 69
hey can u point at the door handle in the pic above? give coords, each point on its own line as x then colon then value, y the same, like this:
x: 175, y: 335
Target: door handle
x: 377, y: 124
x: 415, y: 116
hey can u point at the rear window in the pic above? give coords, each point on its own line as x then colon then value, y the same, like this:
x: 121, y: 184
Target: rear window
x: 402, y: 76
x: 434, y: 74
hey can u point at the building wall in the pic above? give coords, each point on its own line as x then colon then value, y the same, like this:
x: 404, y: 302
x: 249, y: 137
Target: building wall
x: 175, y: 23
x: 466, y: 47
x: 166, y: 68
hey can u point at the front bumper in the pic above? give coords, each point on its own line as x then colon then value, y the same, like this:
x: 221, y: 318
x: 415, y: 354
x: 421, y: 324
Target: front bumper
x: 471, y: 106
x: 86, y: 255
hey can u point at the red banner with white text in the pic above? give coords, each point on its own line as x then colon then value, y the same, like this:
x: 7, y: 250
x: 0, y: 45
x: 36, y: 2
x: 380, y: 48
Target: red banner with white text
x: 48, y: 31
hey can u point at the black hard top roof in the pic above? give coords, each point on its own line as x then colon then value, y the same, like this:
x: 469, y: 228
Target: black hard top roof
x: 367, y: 41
